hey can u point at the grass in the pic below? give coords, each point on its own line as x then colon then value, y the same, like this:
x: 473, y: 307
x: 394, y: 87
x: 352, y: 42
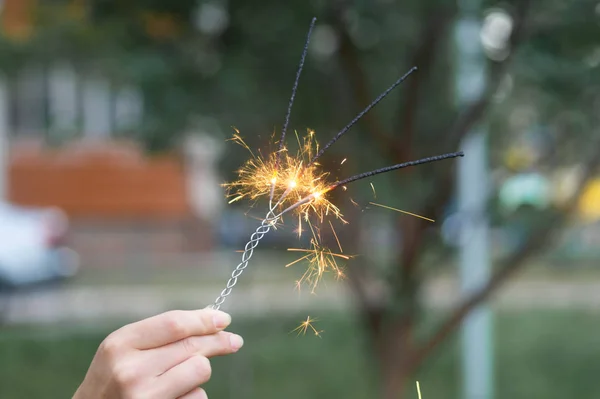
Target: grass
x: 546, y: 355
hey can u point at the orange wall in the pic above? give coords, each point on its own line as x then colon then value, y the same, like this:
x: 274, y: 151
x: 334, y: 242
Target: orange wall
x: 110, y: 181
x: 16, y: 18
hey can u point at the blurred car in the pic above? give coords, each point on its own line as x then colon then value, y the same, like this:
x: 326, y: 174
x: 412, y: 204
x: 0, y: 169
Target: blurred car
x: 33, y: 248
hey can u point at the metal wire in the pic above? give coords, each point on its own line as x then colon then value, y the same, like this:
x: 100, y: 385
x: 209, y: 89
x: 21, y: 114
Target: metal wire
x: 261, y: 231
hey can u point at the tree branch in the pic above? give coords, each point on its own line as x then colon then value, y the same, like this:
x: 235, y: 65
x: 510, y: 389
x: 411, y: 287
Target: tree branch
x: 398, y: 148
x: 412, y: 228
x: 359, y: 280
x: 371, y: 310
x: 424, y: 59
x: 350, y: 60
x: 512, y: 264
x: 464, y: 124
x: 474, y: 113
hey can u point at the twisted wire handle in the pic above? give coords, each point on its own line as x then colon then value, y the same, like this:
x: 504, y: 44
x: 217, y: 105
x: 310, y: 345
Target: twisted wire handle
x: 259, y: 233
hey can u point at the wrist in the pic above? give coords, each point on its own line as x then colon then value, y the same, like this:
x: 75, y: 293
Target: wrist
x: 80, y: 393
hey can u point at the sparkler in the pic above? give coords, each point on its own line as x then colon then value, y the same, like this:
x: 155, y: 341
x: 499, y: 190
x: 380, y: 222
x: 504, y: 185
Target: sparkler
x: 296, y: 184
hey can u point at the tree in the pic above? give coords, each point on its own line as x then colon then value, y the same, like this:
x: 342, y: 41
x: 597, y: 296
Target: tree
x: 392, y: 318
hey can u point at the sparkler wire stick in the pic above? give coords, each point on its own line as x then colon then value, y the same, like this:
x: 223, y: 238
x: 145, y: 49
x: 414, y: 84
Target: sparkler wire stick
x: 295, y: 88
x: 265, y: 226
x: 261, y: 231
x: 395, y: 167
x: 291, y: 103
x: 363, y: 113
x: 303, y: 201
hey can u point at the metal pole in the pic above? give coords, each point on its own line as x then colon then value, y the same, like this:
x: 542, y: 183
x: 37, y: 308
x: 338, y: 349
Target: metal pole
x: 477, y: 345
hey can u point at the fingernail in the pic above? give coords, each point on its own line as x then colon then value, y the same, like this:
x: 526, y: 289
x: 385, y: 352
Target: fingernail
x: 221, y: 319
x: 236, y: 341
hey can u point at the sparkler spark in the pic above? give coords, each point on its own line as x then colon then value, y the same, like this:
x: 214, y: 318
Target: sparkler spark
x: 419, y: 390
x: 305, y: 325
x: 296, y: 183
x: 288, y: 177
x: 401, y: 211
x: 320, y: 261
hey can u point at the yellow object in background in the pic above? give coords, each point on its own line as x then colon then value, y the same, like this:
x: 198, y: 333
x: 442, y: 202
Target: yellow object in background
x: 589, y: 203
x: 518, y: 158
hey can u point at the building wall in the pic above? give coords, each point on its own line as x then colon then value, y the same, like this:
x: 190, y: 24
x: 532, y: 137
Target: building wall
x: 117, y: 199
x: 96, y: 180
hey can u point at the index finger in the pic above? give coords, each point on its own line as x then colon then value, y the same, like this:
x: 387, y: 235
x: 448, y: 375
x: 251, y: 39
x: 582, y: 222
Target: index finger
x: 173, y: 326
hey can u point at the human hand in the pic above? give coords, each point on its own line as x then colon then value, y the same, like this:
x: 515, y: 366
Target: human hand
x: 162, y: 357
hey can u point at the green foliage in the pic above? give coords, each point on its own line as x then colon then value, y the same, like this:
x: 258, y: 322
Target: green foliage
x: 554, y: 82
x: 243, y: 75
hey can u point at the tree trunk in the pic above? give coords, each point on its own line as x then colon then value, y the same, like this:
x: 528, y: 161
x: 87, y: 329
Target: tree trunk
x: 397, y: 343
x: 394, y: 354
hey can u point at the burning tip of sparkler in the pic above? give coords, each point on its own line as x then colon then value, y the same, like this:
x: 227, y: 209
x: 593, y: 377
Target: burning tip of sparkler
x: 292, y: 184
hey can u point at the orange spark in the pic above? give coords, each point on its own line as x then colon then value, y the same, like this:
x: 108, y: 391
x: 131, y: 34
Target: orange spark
x: 336, y: 237
x: 289, y: 179
x: 305, y: 325
x: 401, y: 211
x: 320, y: 261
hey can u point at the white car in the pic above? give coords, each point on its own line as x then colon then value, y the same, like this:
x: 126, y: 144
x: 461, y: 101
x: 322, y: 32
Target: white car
x: 33, y: 250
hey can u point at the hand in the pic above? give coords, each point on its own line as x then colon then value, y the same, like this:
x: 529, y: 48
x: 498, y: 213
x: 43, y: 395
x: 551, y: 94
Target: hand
x: 163, y: 357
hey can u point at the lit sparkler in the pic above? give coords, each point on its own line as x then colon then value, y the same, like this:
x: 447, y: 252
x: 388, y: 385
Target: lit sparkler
x: 297, y: 184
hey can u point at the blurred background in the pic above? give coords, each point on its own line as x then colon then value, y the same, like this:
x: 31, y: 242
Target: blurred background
x: 114, y: 121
